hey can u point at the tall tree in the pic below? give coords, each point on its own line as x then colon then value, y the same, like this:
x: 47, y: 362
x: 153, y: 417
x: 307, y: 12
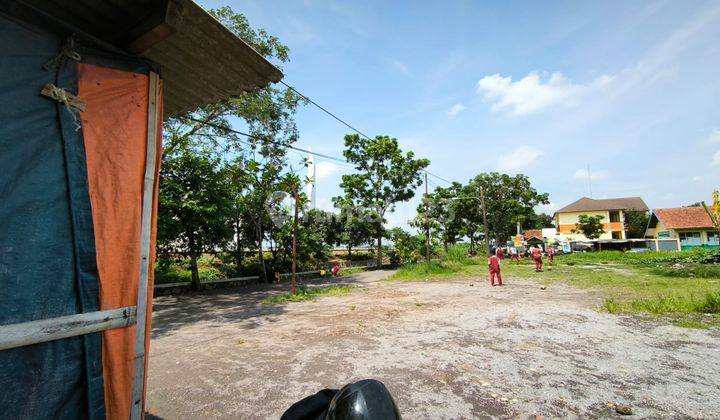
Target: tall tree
x: 443, y: 218
x: 636, y: 222
x: 508, y: 199
x: 193, y: 206
x: 357, y: 227
x: 385, y: 177
x: 269, y: 115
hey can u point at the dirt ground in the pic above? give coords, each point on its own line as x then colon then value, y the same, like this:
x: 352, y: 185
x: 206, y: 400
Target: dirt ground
x: 445, y: 349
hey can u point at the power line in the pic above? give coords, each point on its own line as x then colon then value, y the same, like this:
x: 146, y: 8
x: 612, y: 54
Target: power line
x: 441, y: 179
x: 333, y: 158
x: 326, y: 111
x: 268, y: 140
x: 346, y: 124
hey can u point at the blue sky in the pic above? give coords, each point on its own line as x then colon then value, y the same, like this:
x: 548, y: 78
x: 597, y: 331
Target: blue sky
x: 631, y: 89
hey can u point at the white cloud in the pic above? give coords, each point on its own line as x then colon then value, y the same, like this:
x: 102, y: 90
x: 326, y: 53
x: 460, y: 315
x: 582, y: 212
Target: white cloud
x: 594, y: 175
x: 401, y: 67
x: 714, y: 137
x: 716, y: 159
x: 456, y: 109
x: 697, y: 178
x: 531, y: 93
x: 324, y: 169
x: 519, y: 158
x: 548, y: 208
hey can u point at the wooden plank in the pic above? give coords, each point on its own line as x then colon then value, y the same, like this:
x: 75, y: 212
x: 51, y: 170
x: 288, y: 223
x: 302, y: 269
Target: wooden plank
x: 63, y: 96
x: 155, y: 29
x: 33, y: 332
x: 136, y: 410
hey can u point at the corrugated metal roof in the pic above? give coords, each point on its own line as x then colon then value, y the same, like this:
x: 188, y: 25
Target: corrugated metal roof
x: 201, y: 61
x: 589, y: 204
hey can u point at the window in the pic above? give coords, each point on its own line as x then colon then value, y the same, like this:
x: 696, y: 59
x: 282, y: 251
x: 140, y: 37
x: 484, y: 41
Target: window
x: 617, y: 235
x: 614, y: 216
x: 690, y: 238
x: 712, y: 238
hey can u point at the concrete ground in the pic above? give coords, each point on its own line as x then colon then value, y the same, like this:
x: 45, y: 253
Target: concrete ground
x: 445, y: 349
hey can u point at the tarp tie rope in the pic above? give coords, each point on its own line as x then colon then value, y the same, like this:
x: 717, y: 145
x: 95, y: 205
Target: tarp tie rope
x: 74, y: 104
x: 67, y: 51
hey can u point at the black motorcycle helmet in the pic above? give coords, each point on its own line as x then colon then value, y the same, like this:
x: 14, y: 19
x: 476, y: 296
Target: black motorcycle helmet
x: 367, y: 399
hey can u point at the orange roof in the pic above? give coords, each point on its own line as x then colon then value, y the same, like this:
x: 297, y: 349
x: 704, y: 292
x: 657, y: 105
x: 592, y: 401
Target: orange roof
x: 533, y: 233
x: 684, y: 218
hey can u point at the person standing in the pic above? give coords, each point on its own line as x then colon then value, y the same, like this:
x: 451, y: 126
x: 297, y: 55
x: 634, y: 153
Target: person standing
x: 551, y: 253
x: 494, y: 269
x: 514, y: 254
x: 536, y: 255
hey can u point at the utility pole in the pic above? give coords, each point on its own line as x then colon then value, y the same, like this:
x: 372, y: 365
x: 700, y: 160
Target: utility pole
x: 293, y: 280
x: 485, y: 225
x: 427, y: 223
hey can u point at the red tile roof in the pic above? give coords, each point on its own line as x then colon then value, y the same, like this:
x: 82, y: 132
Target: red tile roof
x: 533, y: 233
x: 684, y: 218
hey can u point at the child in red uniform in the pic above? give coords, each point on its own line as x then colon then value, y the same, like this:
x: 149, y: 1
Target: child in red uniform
x: 500, y: 253
x: 536, y: 255
x: 551, y: 254
x: 513, y: 254
x: 494, y: 268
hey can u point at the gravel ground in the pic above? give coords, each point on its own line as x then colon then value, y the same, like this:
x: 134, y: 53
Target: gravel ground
x: 444, y: 349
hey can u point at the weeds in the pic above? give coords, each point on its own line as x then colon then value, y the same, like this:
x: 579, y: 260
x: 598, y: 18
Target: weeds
x: 308, y: 293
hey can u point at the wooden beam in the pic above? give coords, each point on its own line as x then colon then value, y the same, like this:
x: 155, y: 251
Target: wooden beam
x: 156, y: 28
x: 153, y: 120
x: 34, y: 332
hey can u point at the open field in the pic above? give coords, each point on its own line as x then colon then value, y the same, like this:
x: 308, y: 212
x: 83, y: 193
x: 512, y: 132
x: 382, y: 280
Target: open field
x: 444, y: 348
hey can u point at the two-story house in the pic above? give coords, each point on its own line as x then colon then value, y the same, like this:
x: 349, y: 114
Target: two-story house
x: 612, y: 209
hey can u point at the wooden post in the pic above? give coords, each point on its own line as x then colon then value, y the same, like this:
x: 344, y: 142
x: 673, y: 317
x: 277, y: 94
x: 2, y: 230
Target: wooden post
x: 293, y: 281
x: 43, y: 330
x: 153, y: 119
x: 427, y: 223
x: 485, y: 225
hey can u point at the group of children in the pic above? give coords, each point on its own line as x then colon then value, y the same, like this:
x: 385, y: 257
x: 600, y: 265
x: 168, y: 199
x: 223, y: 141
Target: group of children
x: 499, y: 255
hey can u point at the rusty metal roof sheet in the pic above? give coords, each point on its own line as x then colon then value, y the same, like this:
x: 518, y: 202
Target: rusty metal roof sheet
x: 200, y: 60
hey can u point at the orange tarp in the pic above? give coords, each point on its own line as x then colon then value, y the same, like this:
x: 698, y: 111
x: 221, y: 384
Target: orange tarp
x: 114, y: 127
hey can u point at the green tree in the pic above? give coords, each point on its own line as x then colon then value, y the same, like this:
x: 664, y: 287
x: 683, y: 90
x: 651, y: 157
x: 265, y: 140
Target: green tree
x: 258, y: 163
x: 193, y: 206
x: 357, y: 227
x: 442, y: 215
x: 408, y: 247
x: 508, y: 199
x: 636, y: 222
x: 590, y: 226
x: 537, y: 221
x: 385, y: 177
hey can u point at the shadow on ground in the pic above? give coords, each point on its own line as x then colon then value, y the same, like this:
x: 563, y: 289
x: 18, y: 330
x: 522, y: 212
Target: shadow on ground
x: 234, y: 304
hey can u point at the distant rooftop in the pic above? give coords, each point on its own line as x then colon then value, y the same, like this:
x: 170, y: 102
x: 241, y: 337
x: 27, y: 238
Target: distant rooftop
x: 590, y: 204
x: 684, y: 218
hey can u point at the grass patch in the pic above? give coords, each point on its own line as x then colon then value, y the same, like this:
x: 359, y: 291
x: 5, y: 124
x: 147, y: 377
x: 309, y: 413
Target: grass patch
x: 638, y: 258
x: 308, y: 293
x: 704, y: 271
x: 433, y: 270
x: 692, y: 323
x: 351, y: 270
